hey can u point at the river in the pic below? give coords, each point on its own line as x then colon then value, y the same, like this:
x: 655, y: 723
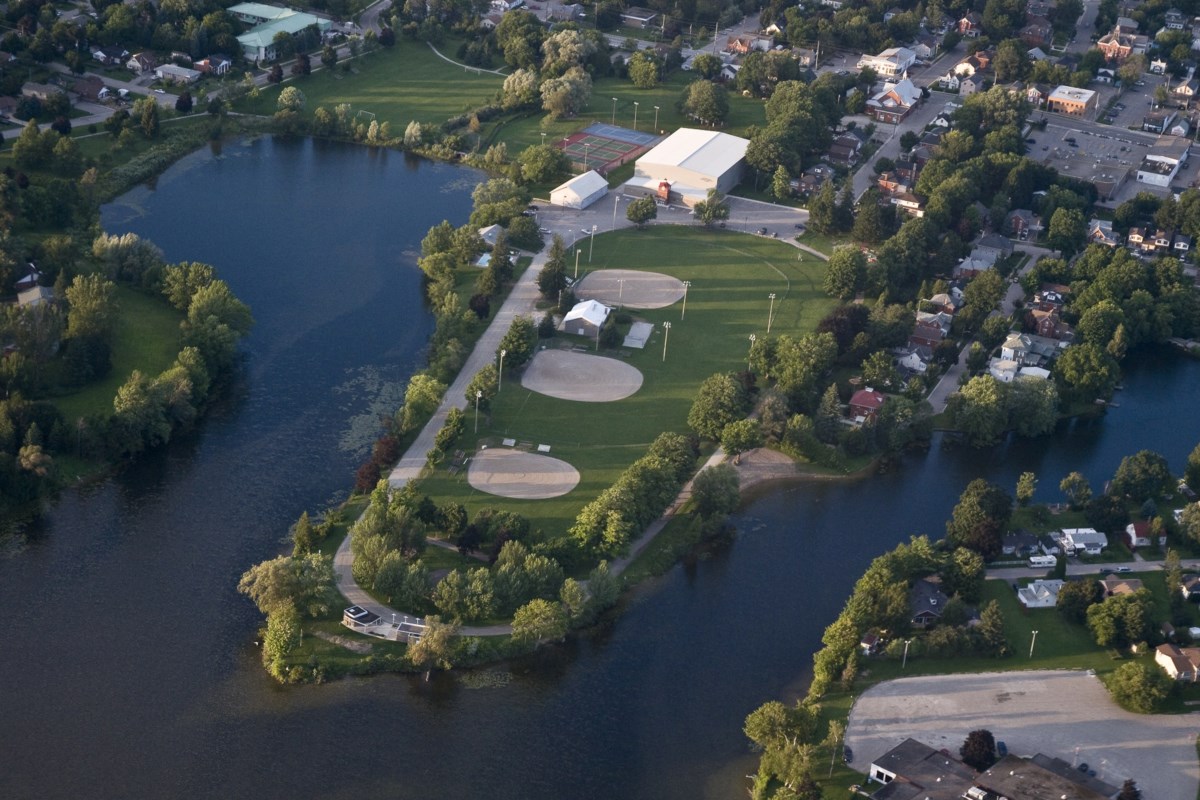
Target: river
x: 127, y: 657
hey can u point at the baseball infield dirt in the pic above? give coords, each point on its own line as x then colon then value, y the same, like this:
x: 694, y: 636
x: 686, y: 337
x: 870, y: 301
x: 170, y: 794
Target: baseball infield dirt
x: 630, y: 288
x: 580, y: 376
x: 516, y: 473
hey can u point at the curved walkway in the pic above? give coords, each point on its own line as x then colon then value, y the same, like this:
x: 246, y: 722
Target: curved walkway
x: 465, y: 66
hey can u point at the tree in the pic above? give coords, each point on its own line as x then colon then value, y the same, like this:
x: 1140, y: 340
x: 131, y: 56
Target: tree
x: 741, y: 436
x: 181, y: 281
x: 641, y: 211
x: 149, y: 118
x: 304, y: 583
x: 991, y: 630
x: 980, y: 518
x: 979, y: 409
x: 706, y: 102
x: 435, y: 649
x: 282, y: 637
x: 1087, y: 370
x: 1026, y: 486
x: 845, y: 273
x: 539, y: 621
x: 520, y: 90
x: 1077, y: 490
x: 877, y: 370
x: 553, y: 277
x: 483, y: 387
x: 1068, y: 231
x: 328, y: 56
x: 565, y: 96
x: 275, y: 75
x: 1129, y: 791
x: 712, y: 209
x: 93, y: 307
x: 707, y: 66
x: 183, y: 103
x: 1076, y: 597
x: 979, y: 750
x: 781, y: 184
x: 1191, y: 472
x: 290, y: 99
x: 422, y: 396
x: 868, y: 224
x: 644, y: 69
x: 720, y: 400
x: 715, y: 492
x: 1120, y: 620
x: 1140, y: 687
x: 1143, y: 475
x: 542, y: 163
x: 302, y: 65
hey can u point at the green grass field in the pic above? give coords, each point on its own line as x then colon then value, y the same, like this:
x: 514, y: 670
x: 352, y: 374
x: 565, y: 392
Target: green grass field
x: 146, y: 339
x: 398, y: 85
x: 731, y: 276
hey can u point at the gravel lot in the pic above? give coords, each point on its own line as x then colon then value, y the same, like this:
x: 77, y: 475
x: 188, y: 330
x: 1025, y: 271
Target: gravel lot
x: 1065, y: 714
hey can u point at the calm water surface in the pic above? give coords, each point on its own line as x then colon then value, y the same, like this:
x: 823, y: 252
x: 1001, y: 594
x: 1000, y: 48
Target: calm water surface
x: 126, y: 656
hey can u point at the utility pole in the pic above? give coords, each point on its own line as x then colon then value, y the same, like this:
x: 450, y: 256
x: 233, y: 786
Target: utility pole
x: 614, y: 114
x: 576, y: 263
x: 500, y: 375
x: 591, y: 244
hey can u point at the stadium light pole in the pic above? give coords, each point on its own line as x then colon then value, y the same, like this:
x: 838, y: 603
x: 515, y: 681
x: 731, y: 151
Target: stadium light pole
x: 585, y: 152
x: 666, y: 335
x: 614, y: 116
x: 500, y: 375
x: 591, y: 243
x: 904, y: 663
x: 543, y: 137
x: 753, y: 338
x: 635, y: 108
x: 683, y: 313
x: 1032, y: 642
x: 771, y: 311
x: 576, y: 264
x: 655, y: 118
x: 478, y: 396
x: 616, y: 199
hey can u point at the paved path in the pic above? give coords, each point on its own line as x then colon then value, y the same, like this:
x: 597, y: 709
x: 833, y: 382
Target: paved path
x: 467, y: 67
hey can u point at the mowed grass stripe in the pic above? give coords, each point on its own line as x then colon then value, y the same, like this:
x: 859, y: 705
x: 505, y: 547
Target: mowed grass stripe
x: 732, y: 275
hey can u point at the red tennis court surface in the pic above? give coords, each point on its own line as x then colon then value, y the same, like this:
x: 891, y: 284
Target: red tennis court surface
x: 604, y: 147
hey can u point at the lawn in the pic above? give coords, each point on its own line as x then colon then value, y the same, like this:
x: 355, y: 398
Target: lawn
x: 398, y: 85
x: 146, y: 339
x: 731, y: 276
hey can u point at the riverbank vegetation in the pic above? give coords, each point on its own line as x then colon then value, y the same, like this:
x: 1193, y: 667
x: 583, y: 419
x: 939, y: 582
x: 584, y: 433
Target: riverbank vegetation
x: 889, y: 629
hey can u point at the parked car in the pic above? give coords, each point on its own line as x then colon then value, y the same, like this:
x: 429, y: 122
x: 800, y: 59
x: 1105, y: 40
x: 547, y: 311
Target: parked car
x: 1001, y: 749
x: 1083, y: 767
x: 1124, y: 569
x: 847, y: 754
x: 1031, y: 141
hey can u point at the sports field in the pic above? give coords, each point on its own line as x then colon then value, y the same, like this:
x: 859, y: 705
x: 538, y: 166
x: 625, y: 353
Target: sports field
x: 602, y: 147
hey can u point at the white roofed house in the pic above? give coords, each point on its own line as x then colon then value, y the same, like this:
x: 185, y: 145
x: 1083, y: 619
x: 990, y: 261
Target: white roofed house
x: 1040, y: 594
x: 895, y: 102
x: 491, y: 234
x: 690, y: 162
x: 585, y: 319
x: 581, y: 191
x: 1083, y: 540
x: 891, y: 63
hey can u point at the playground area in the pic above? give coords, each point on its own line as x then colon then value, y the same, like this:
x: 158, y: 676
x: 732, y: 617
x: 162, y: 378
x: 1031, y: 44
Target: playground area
x: 519, y: 474
x: 568, y: 375
x: 602, y: 147
x: 630, y: 288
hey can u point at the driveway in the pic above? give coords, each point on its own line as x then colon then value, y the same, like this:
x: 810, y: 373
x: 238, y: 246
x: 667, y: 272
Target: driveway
x: 1059, y: 713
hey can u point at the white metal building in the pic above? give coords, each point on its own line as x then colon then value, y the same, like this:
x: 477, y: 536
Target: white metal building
x: 689, y: 162
x: 581, y: 191
x: 585, y: 319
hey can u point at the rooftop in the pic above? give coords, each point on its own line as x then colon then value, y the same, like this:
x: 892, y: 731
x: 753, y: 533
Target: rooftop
x: 706, y: 152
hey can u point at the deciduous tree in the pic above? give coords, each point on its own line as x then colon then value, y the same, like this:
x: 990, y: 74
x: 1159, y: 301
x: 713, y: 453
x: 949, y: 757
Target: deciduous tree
x: 979, y: 750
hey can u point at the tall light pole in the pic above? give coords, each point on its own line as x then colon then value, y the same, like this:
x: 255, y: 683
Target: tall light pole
x: 585, y: 152
x: 591, y: 243
x: 771, y: 311
x: 620, y: 291
x: 500, y: 375
x: 1032, y: 642
x: 750, y: 353
x: 614, y: 117
x: 904, y: 663
x: 576, y: 264
x: 478, y: 397
x: 683, y: 313
x: 616, y: 199
x: 543, y: 137
x: 666, y: 335
x: 655, y: 118
x: 635, y: 107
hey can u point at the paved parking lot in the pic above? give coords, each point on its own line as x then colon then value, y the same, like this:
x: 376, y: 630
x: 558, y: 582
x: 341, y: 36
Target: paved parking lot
x: 1059, y: 713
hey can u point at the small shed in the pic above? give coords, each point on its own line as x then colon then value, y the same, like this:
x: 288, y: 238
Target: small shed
x: 586, y: 318
x: 581, y: 191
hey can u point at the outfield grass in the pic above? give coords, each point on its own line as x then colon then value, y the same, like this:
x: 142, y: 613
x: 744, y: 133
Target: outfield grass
x: 146, y: 338
x: 731, y: 276
x: 398, y: 85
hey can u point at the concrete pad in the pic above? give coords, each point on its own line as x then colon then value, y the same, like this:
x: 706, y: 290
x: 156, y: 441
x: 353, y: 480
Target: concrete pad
x: 1065, y: 714
x: 630, y: 288
x: 579, y: 376
x: 525, y: 476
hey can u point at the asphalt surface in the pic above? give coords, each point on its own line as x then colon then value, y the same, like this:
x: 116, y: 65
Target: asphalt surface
x: 1068, y: 715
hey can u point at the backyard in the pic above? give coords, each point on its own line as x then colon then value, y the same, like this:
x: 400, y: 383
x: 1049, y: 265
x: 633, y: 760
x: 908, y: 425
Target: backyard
x: 731, y: 277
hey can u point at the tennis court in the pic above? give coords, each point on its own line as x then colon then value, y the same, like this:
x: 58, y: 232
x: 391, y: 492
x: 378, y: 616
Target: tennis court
x: 602, y: 147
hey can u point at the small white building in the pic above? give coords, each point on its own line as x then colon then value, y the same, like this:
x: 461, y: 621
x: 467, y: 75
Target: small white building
x: 891, y: 63
x: 169, y: 73
x: 586, y: 318
x: 1040, y: 594
x: 1162, y: 162
x: 581, y: 191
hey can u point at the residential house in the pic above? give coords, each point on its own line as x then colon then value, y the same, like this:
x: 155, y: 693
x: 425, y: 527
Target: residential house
x: 944, y: 302
x: 909, y: 203
x: 1000, y: 246
x: 1040, y: 594
x: 110, y: 55
x: 638, y: 17
x: 1049, y: 545
x: 891, y: 182
x: 1126, y: 25
x: 805, y: 56
x: 1180, y: 663
x: 1189, y: 587
x: 894, y: 11
x: 1181, y: 128
x: 42, y: 91
x: 927, y: 602
x: 1175, y: 20
x: 169, y: 73
x: 215, y: 64
x: 30, y: 276
x: 89, y: 88
x: 1138, y: 534
x: 1029, y: 349
x: 1159, y: 121
x: 1113, y: 585
x: 1182, y: 246
x: 926, y: 334
x: 34, y: 297
x: 1019, y: 543
x: 927, y: 47
x: 895, y: 102
x: 8, y: 106
x: 1100, y: 231
x: 1184, y: 92
x: 976, y: 262
x: 744, y: 45
x: 970, y: 26
x: 1037, y: 31
x: 140, y: 63
x: 1048, y: 324
x: 1137, y: 239
x: 1004, y: 370
x: 973, y: 83
x: 865, y: 405
x: 891, y: 63
x: 490, y: 234
x: 916, y: 360
x: 1083, y: 540
x: 845, y: 149
x: 1158, y: 66
x: 1037, y: 54
x: 1038, y: 8
x: 1163, y: 240
x: 1023, y: 223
